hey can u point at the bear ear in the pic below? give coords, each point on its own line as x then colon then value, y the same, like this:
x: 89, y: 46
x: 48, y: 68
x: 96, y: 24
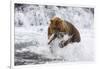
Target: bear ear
x: 51, y: 20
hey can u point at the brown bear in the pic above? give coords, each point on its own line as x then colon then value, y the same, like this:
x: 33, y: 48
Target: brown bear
x: 58, y: 25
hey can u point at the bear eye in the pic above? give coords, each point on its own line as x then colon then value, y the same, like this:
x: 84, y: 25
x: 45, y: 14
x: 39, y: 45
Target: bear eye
x: 53, y: 28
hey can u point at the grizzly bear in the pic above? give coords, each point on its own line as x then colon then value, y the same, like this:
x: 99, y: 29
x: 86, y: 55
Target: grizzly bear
x: 58, y: 25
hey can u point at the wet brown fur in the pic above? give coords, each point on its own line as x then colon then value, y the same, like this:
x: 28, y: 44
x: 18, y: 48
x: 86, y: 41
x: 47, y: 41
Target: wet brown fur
x: 59, y: 25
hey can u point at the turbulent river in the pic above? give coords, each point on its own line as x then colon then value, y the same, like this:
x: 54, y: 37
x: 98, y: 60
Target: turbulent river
x: 31, y: 26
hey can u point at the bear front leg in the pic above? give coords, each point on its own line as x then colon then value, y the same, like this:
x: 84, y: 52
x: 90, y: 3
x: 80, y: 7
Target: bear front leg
x: 64, y: 43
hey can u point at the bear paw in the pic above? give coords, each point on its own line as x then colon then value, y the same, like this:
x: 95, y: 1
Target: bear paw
x: 61, y: 44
